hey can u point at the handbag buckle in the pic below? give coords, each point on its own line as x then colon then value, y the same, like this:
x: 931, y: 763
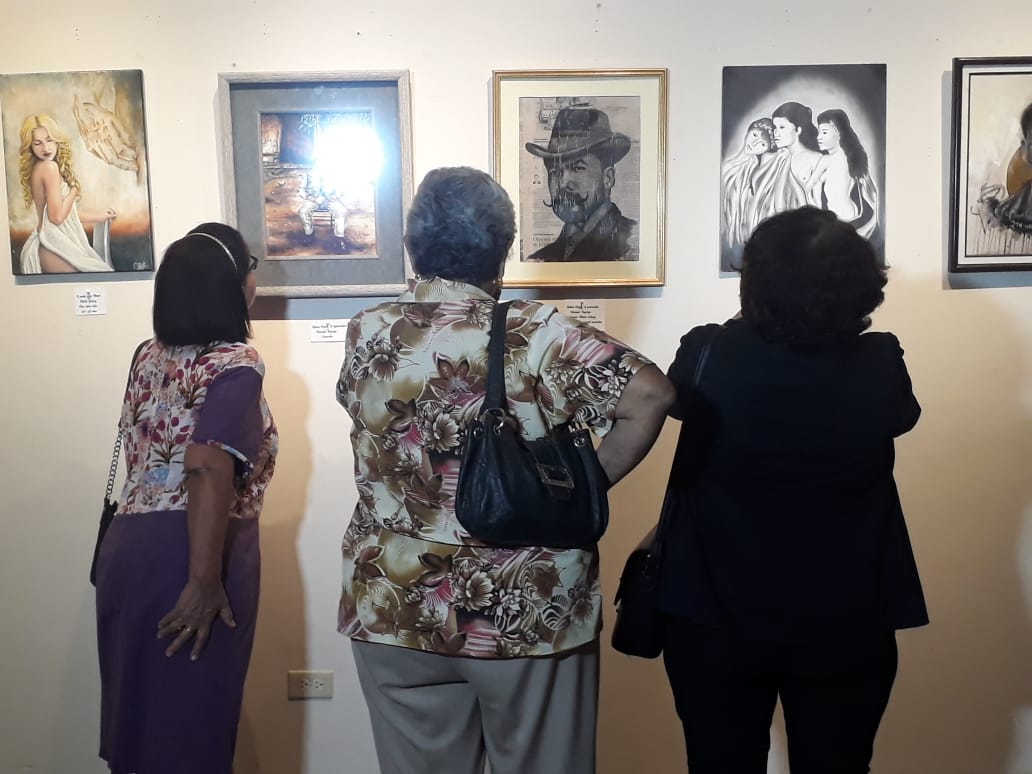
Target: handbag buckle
x: 555, y: 476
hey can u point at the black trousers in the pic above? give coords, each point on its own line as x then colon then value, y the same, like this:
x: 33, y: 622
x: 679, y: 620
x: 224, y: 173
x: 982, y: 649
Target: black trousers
x: 833, y: 694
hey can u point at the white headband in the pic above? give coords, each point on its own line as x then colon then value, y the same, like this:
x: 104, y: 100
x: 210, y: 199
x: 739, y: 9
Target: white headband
x: 221, y: 244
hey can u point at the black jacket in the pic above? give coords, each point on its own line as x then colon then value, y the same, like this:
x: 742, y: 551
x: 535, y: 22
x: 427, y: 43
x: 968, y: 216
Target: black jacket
x: 786, y: 524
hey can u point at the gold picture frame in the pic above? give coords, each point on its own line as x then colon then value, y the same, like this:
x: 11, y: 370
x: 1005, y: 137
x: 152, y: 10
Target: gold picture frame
x: 597, y: 138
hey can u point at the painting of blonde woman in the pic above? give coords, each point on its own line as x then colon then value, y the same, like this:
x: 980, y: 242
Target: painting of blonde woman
x: 78, y: 199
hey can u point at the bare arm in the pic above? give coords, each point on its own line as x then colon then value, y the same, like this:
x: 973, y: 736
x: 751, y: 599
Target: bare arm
x: 210, y: 493
x: 47, y: 190
x: 89, y: 216
x: 813, y: 186
x: 639, y: 418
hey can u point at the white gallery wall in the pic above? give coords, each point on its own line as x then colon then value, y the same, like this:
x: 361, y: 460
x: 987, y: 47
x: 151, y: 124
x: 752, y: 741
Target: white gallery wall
x: 963, y: 699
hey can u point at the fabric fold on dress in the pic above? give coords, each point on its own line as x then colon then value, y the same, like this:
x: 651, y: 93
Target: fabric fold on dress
x: 66, y: 239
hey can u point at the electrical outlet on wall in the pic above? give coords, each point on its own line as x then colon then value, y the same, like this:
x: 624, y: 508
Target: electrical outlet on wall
x: 304, y: 684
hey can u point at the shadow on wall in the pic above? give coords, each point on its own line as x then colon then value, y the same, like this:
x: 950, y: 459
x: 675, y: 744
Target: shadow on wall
x: 964, y: 681
x: 272, y: 734
x: 976, y: 510
x: 964, y: 685
x: 638, y: 728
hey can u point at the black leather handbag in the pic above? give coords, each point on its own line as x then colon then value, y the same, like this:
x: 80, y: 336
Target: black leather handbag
x: 107, y: 513
x: 549, y: 492
x: 639, y: 629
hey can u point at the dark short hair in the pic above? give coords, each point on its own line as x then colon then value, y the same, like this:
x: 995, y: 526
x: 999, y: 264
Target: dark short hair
x: 460, y: 226
x: 809, y: 280
x: 198, y: 290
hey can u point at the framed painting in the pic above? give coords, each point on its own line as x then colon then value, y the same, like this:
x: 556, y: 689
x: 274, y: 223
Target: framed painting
x: 317, y: 171
x: 795, y: 135
x: 582, y: 154
x: 75, y: 150
x: 991, y: 165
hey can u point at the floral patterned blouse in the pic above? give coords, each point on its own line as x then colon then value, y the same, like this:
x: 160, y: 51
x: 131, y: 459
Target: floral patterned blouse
x: 413, y: 377
x: 193, y: 394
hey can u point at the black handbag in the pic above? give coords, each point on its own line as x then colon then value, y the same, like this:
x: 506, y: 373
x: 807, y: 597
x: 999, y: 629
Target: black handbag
x: 549, y: 492
x: 639, y: 629
x: 107, y: 513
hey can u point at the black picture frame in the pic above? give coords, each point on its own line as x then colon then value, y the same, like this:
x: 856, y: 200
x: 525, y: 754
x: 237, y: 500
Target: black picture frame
x: 988, y: 185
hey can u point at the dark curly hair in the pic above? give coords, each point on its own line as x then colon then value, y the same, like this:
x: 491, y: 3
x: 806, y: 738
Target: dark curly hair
x: 460, y: 226
x: 809, y: 280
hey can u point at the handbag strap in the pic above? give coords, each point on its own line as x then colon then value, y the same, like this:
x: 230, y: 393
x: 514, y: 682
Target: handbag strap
x: 117, y: 450
x: 495, y: 399
x: 665, y: 512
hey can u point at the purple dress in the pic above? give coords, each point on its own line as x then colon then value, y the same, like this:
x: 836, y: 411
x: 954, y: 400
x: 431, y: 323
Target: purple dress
x: 164, y: 715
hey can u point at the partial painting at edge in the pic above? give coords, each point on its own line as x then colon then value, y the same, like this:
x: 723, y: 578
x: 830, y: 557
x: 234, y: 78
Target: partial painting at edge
x: 76, y: 165
x: 802, y: 135
x: 997, y: 204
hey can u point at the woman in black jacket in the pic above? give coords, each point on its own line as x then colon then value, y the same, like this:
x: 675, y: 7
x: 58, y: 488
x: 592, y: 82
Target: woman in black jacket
x: 789, y: 567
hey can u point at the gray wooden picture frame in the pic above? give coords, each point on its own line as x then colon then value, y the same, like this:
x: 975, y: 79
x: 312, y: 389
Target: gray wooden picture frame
x: 382, y: 99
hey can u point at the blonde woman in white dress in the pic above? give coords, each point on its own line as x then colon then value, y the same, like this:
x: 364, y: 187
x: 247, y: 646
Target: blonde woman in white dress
x: 58, y: 244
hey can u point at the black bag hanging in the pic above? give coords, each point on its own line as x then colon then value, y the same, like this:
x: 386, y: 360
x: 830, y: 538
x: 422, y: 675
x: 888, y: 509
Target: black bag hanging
x: 639, y: 627
x: 548, y: 492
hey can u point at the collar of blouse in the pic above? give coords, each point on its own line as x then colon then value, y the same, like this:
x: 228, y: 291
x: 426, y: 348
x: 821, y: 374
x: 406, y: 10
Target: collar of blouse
x: 436, y: 289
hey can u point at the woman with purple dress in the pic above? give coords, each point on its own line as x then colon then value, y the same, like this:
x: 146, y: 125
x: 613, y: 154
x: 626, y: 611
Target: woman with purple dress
x: 178, y: 570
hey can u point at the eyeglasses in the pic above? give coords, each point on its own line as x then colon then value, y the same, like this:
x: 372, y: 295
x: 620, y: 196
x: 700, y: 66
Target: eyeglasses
x: 253, y: 264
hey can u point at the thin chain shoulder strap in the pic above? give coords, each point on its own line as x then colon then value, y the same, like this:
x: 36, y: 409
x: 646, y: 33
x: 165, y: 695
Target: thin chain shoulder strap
x: 116, y: 452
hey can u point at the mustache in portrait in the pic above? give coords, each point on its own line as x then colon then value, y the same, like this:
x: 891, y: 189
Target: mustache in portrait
x: 565, y: 199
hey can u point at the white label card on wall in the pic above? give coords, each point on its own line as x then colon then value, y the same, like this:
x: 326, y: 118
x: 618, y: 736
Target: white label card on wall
x: 90, y: 301
x: 589, y: 311
x: 328, y: 331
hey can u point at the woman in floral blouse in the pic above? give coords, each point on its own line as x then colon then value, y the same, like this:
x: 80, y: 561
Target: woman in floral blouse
x: 178, y: 571
x: 465, y: 649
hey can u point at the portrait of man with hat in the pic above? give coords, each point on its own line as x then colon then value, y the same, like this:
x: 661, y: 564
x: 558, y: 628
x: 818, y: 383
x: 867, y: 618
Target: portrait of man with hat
x: 580, y: 160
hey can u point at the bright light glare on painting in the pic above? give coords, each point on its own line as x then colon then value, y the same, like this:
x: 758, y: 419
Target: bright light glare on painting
x: 350, y: 156
x: 319, y: 176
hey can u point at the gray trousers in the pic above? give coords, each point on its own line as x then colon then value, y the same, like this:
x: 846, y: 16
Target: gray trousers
x: 433, y: 714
